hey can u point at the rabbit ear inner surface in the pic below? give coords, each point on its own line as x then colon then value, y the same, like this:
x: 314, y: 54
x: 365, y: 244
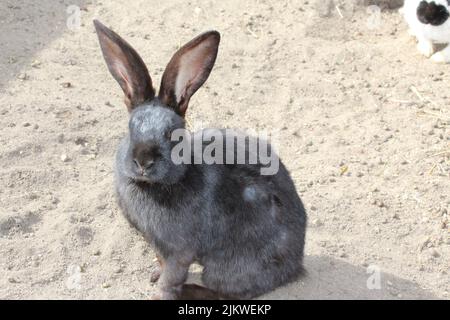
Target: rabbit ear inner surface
x: 188, y: 69
x: 126, y: 66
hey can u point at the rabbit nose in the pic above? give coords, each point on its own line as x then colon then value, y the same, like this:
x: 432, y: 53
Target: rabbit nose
x: 145, y: 166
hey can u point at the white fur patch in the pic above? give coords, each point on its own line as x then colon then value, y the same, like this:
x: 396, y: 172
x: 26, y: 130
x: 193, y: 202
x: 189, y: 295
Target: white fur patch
x: 250, y: 194
x: 425, y: 47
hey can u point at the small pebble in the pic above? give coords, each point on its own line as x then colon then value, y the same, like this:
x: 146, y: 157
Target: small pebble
x: 23, y: 76
x: 13, y: 280
x: 435, y: 254
x: 379, y: 203
x: 60, y: 138
x: 35, y: 63
x: 65, y: 158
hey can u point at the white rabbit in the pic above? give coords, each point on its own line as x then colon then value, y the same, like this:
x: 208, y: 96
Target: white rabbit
x: 429, y: 22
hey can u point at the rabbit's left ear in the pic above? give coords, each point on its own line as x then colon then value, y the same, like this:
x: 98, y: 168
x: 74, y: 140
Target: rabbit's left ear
x: 188, y: 69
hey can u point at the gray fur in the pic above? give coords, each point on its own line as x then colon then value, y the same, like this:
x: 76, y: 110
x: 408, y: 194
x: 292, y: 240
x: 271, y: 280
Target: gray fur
x: 246, y: 229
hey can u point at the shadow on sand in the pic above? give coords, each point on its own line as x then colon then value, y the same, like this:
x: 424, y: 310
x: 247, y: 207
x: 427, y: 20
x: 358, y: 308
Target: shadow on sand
x: 19, y: 39
x: 332, y: 279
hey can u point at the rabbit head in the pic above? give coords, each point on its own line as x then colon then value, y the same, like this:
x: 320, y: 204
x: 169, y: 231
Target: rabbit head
x: 435, y: 12
x: 153, y: 118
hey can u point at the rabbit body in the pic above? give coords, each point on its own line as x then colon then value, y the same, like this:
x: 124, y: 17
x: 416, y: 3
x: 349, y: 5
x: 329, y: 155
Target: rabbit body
x: 246, y: 229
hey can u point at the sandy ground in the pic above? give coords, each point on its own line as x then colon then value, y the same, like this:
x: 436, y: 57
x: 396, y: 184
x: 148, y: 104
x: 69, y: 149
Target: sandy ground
x: 362, y: 118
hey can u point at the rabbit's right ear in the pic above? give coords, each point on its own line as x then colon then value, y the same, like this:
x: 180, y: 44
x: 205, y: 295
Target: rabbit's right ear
x: 188, y: 69
x: 126, y: 66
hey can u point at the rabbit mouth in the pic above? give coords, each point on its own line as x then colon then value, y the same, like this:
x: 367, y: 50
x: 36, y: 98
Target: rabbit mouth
x: 152, y: 175
x: 142, y: 178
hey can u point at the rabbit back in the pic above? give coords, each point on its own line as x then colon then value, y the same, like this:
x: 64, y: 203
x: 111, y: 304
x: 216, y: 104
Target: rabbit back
x: 261, y: 243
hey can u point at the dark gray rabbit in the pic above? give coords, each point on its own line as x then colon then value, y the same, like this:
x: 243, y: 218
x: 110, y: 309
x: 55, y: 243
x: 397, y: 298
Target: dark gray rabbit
x: 246, y: 229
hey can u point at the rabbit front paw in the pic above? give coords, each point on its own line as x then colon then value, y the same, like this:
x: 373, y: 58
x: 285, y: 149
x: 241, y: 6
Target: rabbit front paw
x: 425, y: 48
x: 441, y: 56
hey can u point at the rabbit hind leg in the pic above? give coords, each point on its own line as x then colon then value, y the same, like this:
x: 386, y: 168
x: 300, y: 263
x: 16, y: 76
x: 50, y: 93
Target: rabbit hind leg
x: 442, y: 56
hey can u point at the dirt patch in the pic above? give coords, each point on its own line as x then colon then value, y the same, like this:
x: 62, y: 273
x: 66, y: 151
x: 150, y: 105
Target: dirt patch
x: 362, y: 121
